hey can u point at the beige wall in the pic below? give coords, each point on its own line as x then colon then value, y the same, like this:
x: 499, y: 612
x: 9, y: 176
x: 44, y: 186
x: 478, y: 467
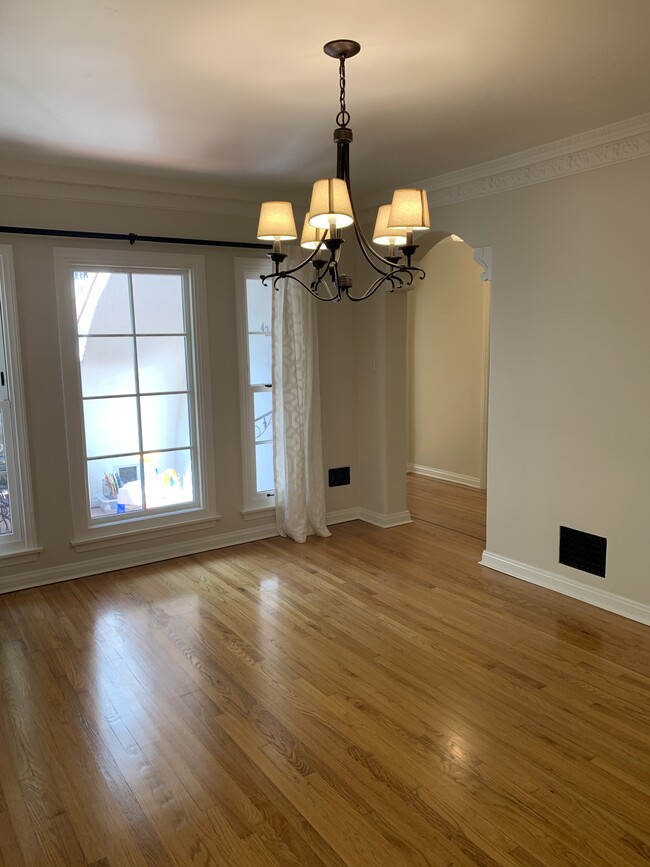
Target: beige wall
x: 569, y: 414
x: 91, y: 208
x: 445, y: 364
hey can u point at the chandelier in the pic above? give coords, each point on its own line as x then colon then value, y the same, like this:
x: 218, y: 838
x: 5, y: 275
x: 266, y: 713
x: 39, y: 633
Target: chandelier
x: 332, y: 210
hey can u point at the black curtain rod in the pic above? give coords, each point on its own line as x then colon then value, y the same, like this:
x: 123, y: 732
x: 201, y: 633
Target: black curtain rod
x: 131, y: 238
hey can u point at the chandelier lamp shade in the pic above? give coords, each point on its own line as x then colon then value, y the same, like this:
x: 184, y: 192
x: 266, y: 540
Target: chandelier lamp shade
x: 331, y: 210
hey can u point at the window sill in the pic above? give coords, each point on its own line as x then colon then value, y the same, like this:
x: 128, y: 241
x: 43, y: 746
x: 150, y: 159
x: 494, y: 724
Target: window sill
x: 110, y: 540
x: 16, y: 558
x: 258, y: 512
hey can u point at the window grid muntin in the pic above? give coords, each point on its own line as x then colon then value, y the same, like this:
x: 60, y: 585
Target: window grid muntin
x: 189, y: 392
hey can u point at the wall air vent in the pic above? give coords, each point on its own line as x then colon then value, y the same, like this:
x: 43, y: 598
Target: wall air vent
x: 339, y: 476
x: 583, y: 551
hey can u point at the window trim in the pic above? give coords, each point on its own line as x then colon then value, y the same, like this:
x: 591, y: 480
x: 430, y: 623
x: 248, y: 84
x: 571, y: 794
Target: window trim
x: 23, y: 546
x: 92, y: 533
x: 254, y: 505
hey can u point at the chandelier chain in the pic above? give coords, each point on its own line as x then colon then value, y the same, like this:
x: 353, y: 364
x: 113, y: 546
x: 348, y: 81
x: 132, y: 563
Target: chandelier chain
x: 343, y: 117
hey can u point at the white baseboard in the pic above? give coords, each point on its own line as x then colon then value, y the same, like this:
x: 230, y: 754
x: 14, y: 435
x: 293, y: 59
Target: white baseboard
x: 569, y: 587
x: 443, y: 475
x: 385, y: 521
x: 115, y: 562
x: 342, y: 516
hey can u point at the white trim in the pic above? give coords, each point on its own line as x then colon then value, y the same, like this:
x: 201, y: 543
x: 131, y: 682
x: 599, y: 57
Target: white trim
x: 248, y: 268
x: 569, y: 587
x: 607, y: 145
x: 116, y: 562
x: 144, y: 534
x: 385, y: 521
x: 23, y: 537
x: 27, y: 556
x: 444, y: 475
x: 90, y: 534
x: 254, y: 514
x: 485, y: 373
x: 342, y: 516
x: 618, y: 142
x: 376, y: 518
x: 483, y: 258
x: 35, y: 181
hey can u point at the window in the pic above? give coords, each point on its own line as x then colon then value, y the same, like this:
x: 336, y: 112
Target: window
x: 256, y: 341
x: 16, y: 512
x: 132, y: 378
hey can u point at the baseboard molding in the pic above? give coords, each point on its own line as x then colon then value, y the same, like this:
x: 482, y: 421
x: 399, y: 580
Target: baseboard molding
x: 443, y: 475
x: 385, y: 521
x: 377, y: 518
x: 116, y: 562
x: 342, y: 516
x: 568, y: 587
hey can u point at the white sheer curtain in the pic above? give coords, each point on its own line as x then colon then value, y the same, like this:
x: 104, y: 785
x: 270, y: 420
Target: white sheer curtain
x: 298, y: 452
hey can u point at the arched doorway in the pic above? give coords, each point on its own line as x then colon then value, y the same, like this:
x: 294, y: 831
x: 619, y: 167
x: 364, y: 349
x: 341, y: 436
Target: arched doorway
x: 447, y: 385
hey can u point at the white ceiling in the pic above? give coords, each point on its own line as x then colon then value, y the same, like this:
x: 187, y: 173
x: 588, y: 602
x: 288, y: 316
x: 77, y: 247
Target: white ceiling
x: 241, y: 92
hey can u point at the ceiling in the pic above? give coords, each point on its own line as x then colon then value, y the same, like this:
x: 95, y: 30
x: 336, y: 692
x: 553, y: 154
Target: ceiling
x: 241, y: 92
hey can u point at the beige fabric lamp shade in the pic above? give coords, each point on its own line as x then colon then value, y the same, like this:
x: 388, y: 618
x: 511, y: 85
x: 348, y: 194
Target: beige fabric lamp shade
x: 410, y: 211
x: 382, y: 235
x: 276, y: 222
x: 330, y: 206
x: 311, y: 237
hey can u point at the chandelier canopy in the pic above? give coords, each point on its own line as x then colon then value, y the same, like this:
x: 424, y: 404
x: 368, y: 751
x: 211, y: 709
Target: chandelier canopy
x: 332, y: 209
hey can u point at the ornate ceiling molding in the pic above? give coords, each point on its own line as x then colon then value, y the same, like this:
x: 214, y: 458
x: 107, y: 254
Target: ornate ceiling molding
x: 616, y: 143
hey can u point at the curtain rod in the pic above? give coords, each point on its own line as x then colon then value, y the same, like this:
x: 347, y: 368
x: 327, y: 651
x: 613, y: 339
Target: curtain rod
x: 130, y: 237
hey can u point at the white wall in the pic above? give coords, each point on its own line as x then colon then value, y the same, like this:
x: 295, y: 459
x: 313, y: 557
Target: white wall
x: 445, y: 364
x: 107, y: 204
x: 569, y: 417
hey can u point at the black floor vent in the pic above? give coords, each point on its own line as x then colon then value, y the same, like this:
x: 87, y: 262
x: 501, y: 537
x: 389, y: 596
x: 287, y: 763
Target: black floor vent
x: 583, y: 551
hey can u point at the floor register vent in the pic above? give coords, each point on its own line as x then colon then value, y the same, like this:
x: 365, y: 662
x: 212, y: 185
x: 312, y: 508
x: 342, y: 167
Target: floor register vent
x: 583, y: 551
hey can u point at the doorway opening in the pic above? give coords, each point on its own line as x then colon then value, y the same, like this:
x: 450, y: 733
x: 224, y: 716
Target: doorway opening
x: 447, y: 388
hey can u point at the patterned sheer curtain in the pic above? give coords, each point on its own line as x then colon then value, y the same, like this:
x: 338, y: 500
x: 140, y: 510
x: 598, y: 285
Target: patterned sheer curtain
x: 298, y: 452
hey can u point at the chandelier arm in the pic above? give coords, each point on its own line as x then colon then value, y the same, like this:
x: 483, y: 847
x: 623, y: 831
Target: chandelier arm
x: 390, y: 278
x: 368, y: 252
x: 291, y: 271
x: 321, y: 281
x: 363, y: 242
x: 309, y: 289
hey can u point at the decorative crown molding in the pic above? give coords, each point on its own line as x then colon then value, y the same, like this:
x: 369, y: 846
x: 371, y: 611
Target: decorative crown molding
x: 608, y: 145
x: 616, y: 143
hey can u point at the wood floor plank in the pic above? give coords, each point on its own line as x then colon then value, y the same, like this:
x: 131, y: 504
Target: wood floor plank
x: 368, y: 700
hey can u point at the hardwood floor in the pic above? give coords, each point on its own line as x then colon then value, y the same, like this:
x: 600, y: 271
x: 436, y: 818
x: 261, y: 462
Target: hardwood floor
x: 376, y: 698
x: 447, y: 505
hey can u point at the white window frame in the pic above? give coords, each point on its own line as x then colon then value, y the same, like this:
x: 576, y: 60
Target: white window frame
x: 255, y: 505
x: 159, y: 523
x: 19, y: 545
